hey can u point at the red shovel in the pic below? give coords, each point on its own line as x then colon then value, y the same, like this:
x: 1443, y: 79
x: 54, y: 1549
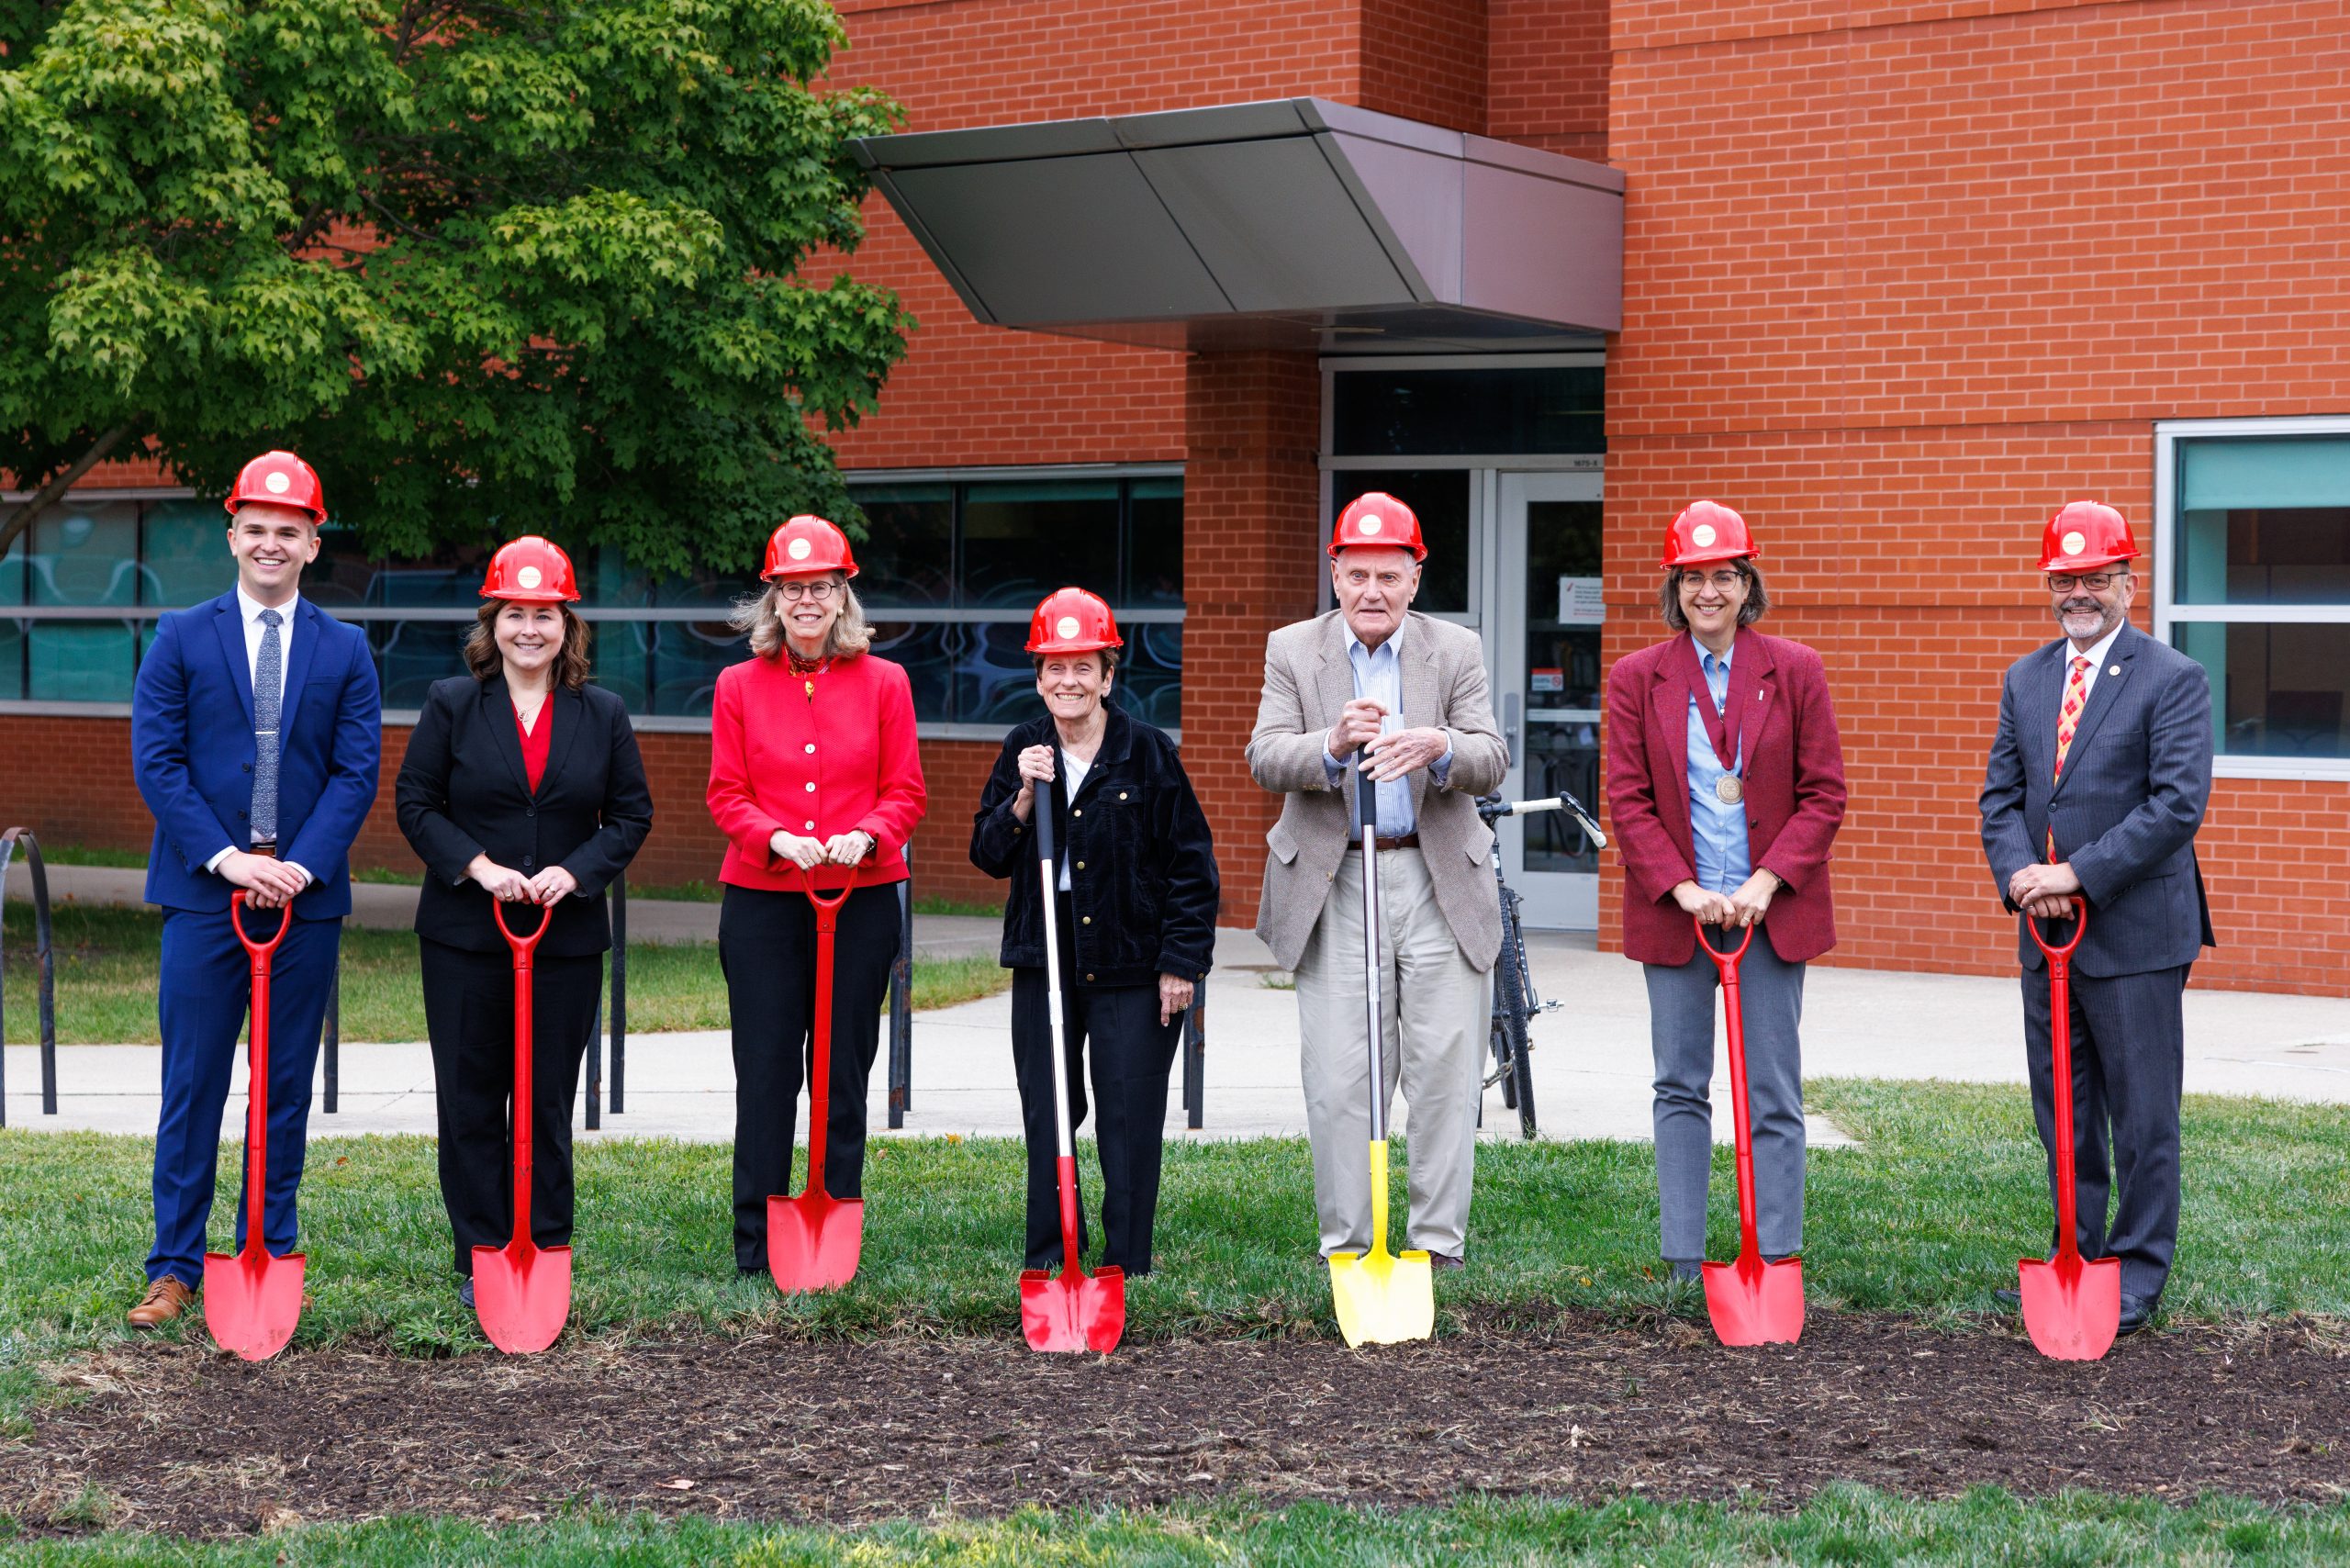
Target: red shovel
x: 1752, y: 1302
x: 1075, y: 1310
x: 813, y: 1239
x: 252, y: 1300
x: 2072, y: 1306
x: 521, y: 1291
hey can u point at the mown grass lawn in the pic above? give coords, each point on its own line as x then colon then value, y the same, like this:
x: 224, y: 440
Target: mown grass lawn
x: 107, y: 962
x: 1983, y: 1529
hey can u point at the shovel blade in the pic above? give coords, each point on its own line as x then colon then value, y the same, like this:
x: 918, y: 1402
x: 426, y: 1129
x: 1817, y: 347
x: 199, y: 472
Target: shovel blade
x: 522, y: 1294
x: 1073, y: 1311
x: 2072, y: 1307
x: 1382, y: 1298
x: 814, y: 1240
x: 1755, y: 1303
x: 251, y: 1300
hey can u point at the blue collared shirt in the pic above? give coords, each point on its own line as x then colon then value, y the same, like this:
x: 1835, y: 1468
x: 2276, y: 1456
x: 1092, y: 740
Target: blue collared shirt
x: 1379, y: 674
x: 1717, y: 826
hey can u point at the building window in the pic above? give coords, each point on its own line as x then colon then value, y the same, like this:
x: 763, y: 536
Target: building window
x: 2252, y: 582
x: 1490, y: 410
x: 949, y: 573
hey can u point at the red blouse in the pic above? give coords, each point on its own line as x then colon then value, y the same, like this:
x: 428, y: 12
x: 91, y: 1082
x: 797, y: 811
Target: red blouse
x: 535, y: 742
x: 840, y: 758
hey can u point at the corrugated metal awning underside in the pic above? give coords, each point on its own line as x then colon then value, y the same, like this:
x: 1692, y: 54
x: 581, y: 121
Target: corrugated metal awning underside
x: 1295, y: 224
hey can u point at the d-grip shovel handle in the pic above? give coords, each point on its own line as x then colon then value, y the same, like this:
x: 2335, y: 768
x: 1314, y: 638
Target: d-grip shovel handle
x: 827, y: 906
x: 2080, y: 929
x: 523, y: 946
x: 236, y: 923
x: 1724, y: 960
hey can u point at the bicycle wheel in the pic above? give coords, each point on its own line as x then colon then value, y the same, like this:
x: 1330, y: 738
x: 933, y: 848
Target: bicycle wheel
x: 1511, y: 1013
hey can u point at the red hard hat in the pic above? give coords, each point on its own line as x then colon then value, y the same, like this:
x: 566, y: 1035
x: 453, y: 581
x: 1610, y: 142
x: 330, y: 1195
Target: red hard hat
x: 2085, y: 533
x: 280, y: 479
x: 1707, y: 531
x: 808, y: 546
x: 529, y: 570
x: 1071, y: 621
x: 1377, y: 518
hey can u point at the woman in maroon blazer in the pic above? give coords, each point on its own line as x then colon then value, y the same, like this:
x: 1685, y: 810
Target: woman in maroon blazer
x: 1726, y: 779
x: 813, y: 773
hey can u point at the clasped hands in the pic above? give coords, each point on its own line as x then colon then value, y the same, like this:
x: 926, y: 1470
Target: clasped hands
x: 1390, y: 756
x: 1743, y: 908
x: 2046, y: 892
x: 509, y: 886
x: 273, y: 883
x: 841, y: 849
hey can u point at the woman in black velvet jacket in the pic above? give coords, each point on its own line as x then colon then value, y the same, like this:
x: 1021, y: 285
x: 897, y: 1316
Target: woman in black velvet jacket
x: 1136, y: 916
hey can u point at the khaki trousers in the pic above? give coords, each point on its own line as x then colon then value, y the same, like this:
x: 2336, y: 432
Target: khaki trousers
x: 1436, y: 1018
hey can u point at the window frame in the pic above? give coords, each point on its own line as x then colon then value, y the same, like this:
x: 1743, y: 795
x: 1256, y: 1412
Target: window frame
x: 2170, y: 437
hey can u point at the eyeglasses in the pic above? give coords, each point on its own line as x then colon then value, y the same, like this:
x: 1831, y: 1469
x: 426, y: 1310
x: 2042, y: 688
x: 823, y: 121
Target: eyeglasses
x: 2095, y: 582
x: 820, y: 591
x: 1723, y: 582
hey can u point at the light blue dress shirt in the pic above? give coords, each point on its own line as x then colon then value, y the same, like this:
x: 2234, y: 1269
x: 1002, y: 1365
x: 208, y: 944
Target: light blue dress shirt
x: 1717, y: 826
x: 1379, y: 676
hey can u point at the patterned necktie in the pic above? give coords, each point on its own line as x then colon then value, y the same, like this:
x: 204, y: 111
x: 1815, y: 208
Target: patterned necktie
x: 268, y: 677
x: 2068, y: 719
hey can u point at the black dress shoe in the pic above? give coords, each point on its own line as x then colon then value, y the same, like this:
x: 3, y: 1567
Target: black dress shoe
x: 2137, y: 1311
x: 465, y: 1292
x: 1443, y: 1260
x: 2011, y: 1298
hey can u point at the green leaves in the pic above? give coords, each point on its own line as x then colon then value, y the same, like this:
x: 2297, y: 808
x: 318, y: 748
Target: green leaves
x: 489, y: 267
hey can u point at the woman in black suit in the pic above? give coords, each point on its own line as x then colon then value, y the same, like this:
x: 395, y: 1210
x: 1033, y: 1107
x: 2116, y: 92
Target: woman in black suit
x: 521, y: 783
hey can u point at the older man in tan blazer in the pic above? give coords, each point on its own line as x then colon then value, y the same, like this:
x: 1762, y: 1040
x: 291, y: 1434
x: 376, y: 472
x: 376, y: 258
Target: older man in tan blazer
x: 1371, y: 691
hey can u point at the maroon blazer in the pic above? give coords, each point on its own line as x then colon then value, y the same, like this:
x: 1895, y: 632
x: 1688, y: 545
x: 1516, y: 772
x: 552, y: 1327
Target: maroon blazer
x: 1794, y: 789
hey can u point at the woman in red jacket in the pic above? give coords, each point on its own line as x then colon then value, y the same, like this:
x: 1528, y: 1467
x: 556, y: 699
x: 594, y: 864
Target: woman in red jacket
x: 1726, y: 778
x: 813, y: 769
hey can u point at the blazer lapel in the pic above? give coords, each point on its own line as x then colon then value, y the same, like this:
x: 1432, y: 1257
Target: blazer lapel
x: 2102, y: 697
x: 498, y: 712
x: 568, y: 710
x: 230, y: 624
x: 1416, y: 672
x: 1670, y: 699
x: 1335, y: 688
x: 2042, y: 695
x: 1750, y: 686
x: 301, y: 644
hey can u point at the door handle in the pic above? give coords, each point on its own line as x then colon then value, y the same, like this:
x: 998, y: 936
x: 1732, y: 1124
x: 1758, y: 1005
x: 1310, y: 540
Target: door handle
x: 1509, y: 726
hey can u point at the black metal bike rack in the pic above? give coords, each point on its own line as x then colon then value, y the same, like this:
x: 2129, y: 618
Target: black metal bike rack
x: 45, y: 953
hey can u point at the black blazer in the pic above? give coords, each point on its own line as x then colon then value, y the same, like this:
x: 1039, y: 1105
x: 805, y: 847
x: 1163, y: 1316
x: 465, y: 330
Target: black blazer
x: 463, y: 792
x: 1143, y: 879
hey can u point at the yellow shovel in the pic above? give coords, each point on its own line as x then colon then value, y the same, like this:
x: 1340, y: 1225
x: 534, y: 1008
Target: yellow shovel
x: 1382, y: 1298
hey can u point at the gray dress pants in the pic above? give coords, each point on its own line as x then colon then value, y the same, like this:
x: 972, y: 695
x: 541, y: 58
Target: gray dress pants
x: 1681, y: 1033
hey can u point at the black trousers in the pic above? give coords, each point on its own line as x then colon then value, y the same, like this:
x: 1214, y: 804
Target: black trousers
x: 1133, y: 1054
x: 469, y: 1012
x: 766, y: 943
x: 2129, y: 1055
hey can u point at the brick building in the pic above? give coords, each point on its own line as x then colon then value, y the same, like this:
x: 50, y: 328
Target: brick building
x: 1896, y: 278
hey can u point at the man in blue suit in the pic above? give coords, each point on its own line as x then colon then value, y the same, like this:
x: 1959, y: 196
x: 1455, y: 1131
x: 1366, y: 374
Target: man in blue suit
x: 2097, y: 781
x: 255, y: 728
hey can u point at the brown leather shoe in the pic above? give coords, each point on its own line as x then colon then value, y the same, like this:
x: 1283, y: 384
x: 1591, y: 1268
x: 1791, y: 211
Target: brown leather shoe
x: 1448, y: 1261
x: 165, y: 1299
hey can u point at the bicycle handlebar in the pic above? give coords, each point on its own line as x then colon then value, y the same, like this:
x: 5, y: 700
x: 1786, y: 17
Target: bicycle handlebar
x: 1492, y: 808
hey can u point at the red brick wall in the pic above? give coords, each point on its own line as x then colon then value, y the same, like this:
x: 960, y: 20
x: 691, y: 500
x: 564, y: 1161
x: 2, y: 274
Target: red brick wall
x: 1547, y: 75
x: 1901, y: 278
x: 1425, y: 59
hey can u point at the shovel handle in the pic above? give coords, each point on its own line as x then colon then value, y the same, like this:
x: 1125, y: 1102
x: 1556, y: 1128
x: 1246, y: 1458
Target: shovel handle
x: 1724, y: 959
x: 237, y: 922
x: 523, y: 946
x: 825, y: 903
x: 2080, y: 929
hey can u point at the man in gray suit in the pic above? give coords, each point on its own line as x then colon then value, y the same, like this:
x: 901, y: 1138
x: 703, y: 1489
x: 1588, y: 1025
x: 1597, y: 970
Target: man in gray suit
x: 2098, y: 777
x: 1372, y: 692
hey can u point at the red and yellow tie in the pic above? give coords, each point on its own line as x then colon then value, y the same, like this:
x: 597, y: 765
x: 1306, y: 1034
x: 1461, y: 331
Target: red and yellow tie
x: 2068, y: 719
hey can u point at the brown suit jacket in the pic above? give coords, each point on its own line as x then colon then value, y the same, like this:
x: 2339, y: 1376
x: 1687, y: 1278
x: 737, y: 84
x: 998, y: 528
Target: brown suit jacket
x: 1307, y: 681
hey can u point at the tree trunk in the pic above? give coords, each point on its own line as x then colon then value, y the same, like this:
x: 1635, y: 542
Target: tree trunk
x: 48, y: 494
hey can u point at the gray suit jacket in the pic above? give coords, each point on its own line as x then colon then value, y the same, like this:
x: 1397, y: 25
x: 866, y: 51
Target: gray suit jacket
x: 2136, y: 780
x: 1307, y: 681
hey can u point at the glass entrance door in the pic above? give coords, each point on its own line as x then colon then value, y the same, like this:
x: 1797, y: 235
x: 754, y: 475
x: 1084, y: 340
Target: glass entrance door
x: 1544, y: 607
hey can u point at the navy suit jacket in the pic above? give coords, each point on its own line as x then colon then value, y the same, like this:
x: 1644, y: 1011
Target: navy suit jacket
x: 2137, y: 777
x: 192, y: 744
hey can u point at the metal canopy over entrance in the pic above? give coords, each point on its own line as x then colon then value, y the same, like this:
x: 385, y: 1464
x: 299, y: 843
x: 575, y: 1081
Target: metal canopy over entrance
x: 1299, y: 224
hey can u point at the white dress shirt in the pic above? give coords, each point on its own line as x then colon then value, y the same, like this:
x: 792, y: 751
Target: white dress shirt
x: 249, y: 610
x: 1077, y: 767
x: 2097, y: 653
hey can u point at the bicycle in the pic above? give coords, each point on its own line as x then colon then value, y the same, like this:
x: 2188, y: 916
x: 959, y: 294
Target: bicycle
x: 1515, y: 1001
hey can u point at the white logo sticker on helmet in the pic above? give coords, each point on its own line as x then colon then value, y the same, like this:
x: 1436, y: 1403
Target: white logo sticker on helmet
x: 1367, y: 525
x: 278, y: 484
x: 1066, y: 626
x: 799, y: 549
x: 528, y: 577
x: 1702, y: 536
x: 2074, y: 543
